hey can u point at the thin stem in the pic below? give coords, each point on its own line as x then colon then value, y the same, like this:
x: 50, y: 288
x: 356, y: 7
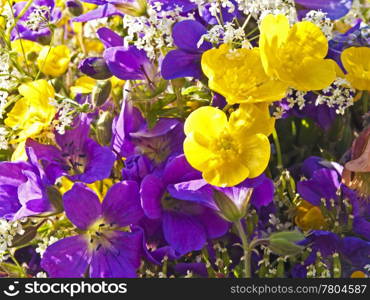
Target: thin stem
x: 365, y: 102
x: 246, y: 249
x: 278, y: 150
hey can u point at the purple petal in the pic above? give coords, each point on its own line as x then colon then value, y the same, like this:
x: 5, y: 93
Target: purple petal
x: 100, y: 161
x: 214, y: 225
x: 263, y: 194
x: 186, y: 35
x: 362, y: 227
x: 82, y: 206
x: 103, y: 11
x: 151, y: 192
x: 334, y: 8
x: 128, y: 63
x: 109, y: 38
x: 129, y: 120
x: 324, y: 184
x: 179, y: 170
x: 67, y: 258
x: 121, y: 204
x: 120, y: 258
x: 178, y: 64
x: 183, y: 232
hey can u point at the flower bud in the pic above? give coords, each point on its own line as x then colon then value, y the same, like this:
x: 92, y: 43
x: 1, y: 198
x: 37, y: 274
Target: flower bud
x: 101, y: 92
x: 104, y: 128
x: 284, y: 243
x: 95, y: 67
x: 135, y: 8
x: 231, y: 210
x: 74, y: 7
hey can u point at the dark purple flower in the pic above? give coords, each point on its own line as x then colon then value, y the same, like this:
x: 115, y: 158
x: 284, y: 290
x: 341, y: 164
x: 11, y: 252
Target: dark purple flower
x: 187, y: 224
x: 24, y: 188
x: 109, y: 38
x: 77, y: 155
x: 95, y: 67
x: 104, y: 249
x: 335, y: 9
x: 137, y: 167
x: 129, y: 63
x: 34, y: 24
x: 185, y: 61
x: 355, y: 251
x: 131, y: 135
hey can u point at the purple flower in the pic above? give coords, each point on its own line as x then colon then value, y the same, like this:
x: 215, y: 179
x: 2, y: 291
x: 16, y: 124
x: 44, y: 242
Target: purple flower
x: 77, y: 155
x: 185, y: 61
x: 132, y: 135
x: 137, y: 167
x: 34, y: 24
x: 186, y: 223
x: 129, y: 63
x: 95, y: 67
x: 103, y: 249
x: 24, y: 188
x: 335, y: 9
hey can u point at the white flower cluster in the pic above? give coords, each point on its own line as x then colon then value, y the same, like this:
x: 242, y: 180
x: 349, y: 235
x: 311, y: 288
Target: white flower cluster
x: 3, y: 138
x: 38, y: 18
x: 320, y: 19
x: 8, y: 230
x: 260, y: 8
x: 228, y: 33
x: 295, y: 97
x: 91, y: 27
x: 339, y: 95
x: 45, y: 243
x: 65, y: 116
x: 152, y: 32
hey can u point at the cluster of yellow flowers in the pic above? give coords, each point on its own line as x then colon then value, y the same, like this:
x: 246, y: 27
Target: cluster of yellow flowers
x: 229, y: 151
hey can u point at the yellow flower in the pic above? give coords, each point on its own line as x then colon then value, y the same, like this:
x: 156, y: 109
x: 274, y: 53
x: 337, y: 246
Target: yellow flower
x: 228, y: 151
x: 295, y: 55
x: 239, y: 75
x: 356, y: 61
x: 358, y: 274
x: 309, y: 217
x: 29, y: 48
x: 54, y: 61
x: 83, y: 85
x: 31, y: 114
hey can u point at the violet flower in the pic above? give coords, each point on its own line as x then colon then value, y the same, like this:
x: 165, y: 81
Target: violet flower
x: 77, y: 155
x: 24, y: 188
x: 185, y: 61
x: 104, y: 248
x: 34, y: 24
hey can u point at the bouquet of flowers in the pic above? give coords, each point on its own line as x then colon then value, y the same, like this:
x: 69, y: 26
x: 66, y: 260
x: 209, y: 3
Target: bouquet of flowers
x: 185, y: 138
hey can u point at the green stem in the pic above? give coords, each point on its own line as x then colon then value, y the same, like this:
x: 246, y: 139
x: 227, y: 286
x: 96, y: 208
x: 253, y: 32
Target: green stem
x: 365, y: 102
x: 246, y: 249
x: 278, y: 150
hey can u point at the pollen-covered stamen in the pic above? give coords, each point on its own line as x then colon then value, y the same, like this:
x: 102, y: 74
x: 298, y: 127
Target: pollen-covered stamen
x: 38, y: 18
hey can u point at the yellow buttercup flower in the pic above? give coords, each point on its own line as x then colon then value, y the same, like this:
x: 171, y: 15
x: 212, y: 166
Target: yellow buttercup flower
x: 295, y: 55
x: 309, y: 217
x: 356, y: 61
x: 238, y: 75
x: 54, y: 61
x: 31, y: 114
x: 29, y: 48
x: 228, y: 151
x: 83, y: 85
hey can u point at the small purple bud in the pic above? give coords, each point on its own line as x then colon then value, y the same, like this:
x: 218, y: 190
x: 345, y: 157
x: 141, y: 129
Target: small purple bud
x: 95, y: 67
x: 74, y: 7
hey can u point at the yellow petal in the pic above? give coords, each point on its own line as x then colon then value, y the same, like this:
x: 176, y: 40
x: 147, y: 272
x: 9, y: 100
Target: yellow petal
x: 274, y: 32
x: 197, y: 155
x: 314, y: 74
x: 229, y: 173
x: 206, y: 119
x: 256, y: 154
